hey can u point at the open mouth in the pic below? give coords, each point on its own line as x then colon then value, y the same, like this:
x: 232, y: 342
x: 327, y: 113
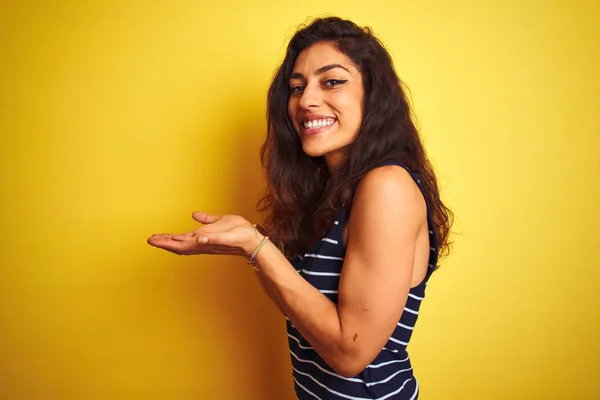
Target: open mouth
x: 317, y: 125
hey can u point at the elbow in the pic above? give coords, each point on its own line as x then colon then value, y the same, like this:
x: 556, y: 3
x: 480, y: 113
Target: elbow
x: 349, y: 363
x: 348, y: 371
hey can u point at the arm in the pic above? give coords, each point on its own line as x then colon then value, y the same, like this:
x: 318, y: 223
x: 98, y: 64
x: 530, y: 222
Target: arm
x: 270, y: 290
x: 387, y: 213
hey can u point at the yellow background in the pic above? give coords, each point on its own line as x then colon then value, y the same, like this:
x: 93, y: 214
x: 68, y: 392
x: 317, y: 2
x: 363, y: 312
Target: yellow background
x: 118, y: 119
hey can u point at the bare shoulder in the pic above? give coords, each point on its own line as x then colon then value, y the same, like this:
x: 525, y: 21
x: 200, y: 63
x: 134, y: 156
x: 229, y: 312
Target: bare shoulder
x: 387, y: 203
x: 390, y: 185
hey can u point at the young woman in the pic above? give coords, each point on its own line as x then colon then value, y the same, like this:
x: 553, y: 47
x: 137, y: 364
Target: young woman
x: 354, y: 222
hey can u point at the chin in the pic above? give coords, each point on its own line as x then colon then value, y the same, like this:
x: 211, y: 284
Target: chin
x: 314, y: 151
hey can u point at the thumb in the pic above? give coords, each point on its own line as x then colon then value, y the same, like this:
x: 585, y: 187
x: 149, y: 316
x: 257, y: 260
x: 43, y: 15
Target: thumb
x: 205, y: 218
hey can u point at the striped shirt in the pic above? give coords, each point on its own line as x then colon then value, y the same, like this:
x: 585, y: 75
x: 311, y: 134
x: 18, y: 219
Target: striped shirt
x: 390, y: 374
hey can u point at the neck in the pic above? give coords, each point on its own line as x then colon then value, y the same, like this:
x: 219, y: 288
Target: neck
x: 335, y: 160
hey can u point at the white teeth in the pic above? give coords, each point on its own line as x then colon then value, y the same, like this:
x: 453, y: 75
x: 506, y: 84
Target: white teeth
x: 318, y: 123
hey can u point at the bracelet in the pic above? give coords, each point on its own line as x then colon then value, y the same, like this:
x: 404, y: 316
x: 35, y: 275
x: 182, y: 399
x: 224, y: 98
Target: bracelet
x: 256, y: 250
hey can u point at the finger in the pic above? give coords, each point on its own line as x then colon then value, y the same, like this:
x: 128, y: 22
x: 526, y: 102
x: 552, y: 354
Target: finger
x: 165, y: 242
x: 221, y: 239
x: 156, y: 238
x: 159, y: 240
x: 202, y: 239
x: 171, y: 236
x: 180, y: 237
x: 205, y: 218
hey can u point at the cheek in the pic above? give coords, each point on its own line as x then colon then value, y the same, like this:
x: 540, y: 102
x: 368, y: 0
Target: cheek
x: 353, y: 112
x: 349, y: 101
x: 357, y: 112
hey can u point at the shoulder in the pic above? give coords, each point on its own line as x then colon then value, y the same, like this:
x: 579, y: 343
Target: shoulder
x: 387, y: 204
x: 389, y: 185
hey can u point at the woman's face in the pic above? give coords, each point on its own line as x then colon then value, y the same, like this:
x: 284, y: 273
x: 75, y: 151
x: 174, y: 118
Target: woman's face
x: 326, y: 102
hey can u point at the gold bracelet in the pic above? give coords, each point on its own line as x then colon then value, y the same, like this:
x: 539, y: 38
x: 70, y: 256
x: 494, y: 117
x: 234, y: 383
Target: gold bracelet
x: 256, y: 250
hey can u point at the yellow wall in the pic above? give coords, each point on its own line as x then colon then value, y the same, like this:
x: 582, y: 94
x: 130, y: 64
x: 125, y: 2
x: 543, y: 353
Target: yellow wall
x: 118, y: 119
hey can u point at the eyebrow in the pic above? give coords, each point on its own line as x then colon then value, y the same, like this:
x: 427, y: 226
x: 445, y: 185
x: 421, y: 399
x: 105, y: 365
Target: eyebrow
x: 322, y: 70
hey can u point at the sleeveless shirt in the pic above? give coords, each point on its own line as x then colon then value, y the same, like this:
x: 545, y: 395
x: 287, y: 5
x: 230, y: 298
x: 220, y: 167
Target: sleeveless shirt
x: 390, y: 374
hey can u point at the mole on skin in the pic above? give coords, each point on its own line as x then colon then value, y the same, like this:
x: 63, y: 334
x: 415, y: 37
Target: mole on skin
x: 355, y: 337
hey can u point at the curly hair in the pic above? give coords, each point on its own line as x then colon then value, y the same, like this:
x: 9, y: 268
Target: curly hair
x: 302, y: 197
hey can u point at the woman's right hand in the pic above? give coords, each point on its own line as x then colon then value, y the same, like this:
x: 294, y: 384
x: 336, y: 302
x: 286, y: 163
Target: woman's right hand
x: 227, y: 234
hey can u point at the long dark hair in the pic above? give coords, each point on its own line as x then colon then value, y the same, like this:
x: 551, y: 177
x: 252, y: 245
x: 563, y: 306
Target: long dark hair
x: 302, y: 198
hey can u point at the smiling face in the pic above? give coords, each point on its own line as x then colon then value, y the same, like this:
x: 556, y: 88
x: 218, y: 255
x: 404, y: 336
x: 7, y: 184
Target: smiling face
x: 326, y: 102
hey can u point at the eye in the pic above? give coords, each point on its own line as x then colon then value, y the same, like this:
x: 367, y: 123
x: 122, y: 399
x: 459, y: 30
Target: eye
x: 335, y: 82
x: 296, y: 89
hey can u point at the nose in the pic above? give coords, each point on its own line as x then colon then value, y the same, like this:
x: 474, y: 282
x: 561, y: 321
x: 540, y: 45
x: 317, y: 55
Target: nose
x: 311, y: 97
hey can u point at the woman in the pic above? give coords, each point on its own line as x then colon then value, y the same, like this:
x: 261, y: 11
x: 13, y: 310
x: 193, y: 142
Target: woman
x: 354, y: 221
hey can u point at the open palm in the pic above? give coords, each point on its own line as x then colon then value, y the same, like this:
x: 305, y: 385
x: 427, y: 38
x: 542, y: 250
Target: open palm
x: 227, y: 234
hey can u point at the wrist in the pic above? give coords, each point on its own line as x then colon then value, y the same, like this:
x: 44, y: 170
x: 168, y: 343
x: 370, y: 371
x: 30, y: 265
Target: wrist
x: 254, y: 241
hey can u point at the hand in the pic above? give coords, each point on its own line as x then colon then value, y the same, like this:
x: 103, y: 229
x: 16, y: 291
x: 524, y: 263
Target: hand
x: 227, y: 234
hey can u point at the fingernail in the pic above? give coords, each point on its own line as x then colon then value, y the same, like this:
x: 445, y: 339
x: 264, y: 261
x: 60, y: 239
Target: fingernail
x: 204, y: 240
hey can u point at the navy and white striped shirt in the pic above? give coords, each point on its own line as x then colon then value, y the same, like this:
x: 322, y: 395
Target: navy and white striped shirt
x: 390, y: 375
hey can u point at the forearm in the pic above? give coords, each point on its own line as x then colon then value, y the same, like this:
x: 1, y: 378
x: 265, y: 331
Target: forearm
x: 312, y: 313
x: 269, y: 289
